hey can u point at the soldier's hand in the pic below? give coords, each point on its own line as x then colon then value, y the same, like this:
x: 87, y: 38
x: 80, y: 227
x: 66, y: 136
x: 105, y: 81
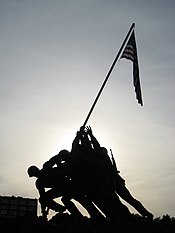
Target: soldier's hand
x: 88, y: 130
x: 81, y: 129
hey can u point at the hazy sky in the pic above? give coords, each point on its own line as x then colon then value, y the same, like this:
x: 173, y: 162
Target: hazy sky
x: 54, y: 57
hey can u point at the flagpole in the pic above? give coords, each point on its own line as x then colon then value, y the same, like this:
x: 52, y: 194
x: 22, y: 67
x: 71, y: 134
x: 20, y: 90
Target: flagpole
x: 109, y: 72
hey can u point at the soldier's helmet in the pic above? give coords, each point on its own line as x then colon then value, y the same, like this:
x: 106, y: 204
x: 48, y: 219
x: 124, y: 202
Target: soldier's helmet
x: 32, y: 170
x: 64, y: 154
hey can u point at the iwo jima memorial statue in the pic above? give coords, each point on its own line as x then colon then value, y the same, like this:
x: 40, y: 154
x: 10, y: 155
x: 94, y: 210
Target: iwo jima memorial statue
x: 87, y: 174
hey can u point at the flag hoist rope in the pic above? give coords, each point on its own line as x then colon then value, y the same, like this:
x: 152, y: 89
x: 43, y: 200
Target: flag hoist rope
x: 109, y: 72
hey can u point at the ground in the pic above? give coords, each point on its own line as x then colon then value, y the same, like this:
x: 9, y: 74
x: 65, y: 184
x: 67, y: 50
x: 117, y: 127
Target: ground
x: 65, y: 223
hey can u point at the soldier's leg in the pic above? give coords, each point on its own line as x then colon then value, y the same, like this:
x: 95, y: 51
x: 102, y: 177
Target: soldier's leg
x: 48, y: 198
x: 70, y: 206
x: 124, y: 193
x: 90, y: 207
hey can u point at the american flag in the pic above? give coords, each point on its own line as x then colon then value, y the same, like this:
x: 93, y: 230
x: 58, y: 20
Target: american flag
x: 130, y: 53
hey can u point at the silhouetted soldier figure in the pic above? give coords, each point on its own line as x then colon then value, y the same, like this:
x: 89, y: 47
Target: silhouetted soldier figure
x: 61, y: 160
x: 118, y: 181
x: 61, y: 186
x: 52, y: 180
x: 124, y: 193
x: 104, y: 196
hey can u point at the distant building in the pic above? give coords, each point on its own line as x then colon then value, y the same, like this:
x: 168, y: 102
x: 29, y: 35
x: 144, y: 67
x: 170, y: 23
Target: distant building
x: 11, y: 206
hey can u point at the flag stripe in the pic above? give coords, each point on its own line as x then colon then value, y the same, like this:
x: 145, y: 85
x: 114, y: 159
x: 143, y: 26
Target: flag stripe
x: 130, y: 53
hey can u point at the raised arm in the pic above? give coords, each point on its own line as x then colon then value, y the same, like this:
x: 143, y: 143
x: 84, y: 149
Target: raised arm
x: 95, y: 143
x: 76, y: 141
